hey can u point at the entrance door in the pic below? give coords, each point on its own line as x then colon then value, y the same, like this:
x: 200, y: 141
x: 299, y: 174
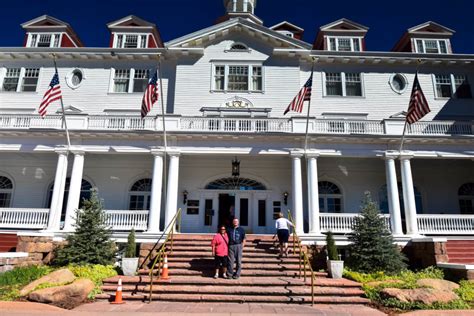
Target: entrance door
x: 226, y: 209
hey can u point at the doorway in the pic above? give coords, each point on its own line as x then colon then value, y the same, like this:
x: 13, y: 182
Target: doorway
x: 226, y: 209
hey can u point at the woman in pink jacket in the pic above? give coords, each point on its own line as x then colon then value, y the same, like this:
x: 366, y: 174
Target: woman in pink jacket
x: 220, y: 249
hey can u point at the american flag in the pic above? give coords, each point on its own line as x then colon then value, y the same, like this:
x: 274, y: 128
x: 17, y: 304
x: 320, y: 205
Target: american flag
x: 52, y: 94
x: 151, y: 95
x: 418, y: 106
x: 304, y: 95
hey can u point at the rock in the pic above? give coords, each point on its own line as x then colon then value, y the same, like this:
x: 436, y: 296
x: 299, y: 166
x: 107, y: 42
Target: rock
x: 422, y: 295
x: 377, y: 283
x: 65, y: 296
x: 438, y: 284
x: 57, y: 277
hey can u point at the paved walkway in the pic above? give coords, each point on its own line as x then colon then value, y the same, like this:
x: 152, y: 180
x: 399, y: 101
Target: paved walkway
x: 143, y: 309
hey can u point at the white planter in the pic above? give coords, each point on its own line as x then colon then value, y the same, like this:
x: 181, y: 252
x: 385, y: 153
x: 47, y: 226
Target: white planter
x: 129, y: 266
x: 335, y: 268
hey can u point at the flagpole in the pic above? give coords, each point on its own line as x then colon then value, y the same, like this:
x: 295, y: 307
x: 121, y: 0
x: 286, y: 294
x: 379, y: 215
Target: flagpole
x: 307, y: 116
x: 165, y: 143
x: 62, y: 107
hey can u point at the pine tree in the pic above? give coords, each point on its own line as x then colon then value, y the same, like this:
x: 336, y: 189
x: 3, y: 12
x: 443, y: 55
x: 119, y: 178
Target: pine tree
x: 90, y: 243
x: 331, y: 247
x: 131, y: 250
x: 372, y: 248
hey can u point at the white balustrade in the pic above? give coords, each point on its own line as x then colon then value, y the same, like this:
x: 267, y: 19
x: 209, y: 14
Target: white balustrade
x: 127, y: 219
x: 445, y: 224
x: 30, y: 121
x: 30, y: 218
x: 440, y: 128
x: 109, y: 122
x: 219, y: 124
x: 342, y: 222
x: 348, y: 127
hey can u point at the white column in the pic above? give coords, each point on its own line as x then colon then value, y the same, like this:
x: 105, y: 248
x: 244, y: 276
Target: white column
x: 172, y: 188
x: 313, y: 195
x: 58, y: 191
x: 156, y: 187
x: 408, y: 195
x: 74, y: 189
x: 297, y: 192
x: 392, y: 196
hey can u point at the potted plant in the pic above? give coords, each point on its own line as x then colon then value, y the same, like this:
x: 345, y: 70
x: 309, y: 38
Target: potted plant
x: 130, y: 260
x: 334, y: 263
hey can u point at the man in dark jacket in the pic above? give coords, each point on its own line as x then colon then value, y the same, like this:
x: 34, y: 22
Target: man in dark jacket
x: 236, y: 245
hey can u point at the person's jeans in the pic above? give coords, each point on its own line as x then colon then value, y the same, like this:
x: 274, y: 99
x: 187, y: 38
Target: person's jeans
x: 235, y: 255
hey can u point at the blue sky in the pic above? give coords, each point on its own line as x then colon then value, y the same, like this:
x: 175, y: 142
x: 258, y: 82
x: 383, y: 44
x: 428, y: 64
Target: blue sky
x: 387, y: 20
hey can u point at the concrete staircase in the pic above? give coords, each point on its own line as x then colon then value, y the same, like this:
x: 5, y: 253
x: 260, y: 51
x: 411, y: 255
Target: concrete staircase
x: 8, y: 242
x: 460, y: 251
x: 264, y: 278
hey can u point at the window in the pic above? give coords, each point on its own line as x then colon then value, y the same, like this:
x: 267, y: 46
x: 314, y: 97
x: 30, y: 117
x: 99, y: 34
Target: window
x: 330, y: 197
x: 45, y: 40
x: 234, y: 183
x: 430, y: 46
x: 383, y: 200
x: 398, y: 83
x: 344, y: 44
x: 262, y: 213
x: 21, y: 79
x: 131, y: 41
x: 238, y: 78
x: 85, y: 194
x: 140, y: 193
x: 276, y: 209
x: 74, y: 78
x: 244, y: 212
x: 238, y: 47
x: 343, y: 84
x: 130, y: 80
x: 208, y: 212
x: 452, y: 85
x: 6, y: 190
x: 466, y: 198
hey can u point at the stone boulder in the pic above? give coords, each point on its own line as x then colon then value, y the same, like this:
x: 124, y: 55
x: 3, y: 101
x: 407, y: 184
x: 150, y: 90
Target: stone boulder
x: 377, y: 283
x: 438, y: 284
x: 65, y: 296
x: 422, y: 295
x: 61, y: 276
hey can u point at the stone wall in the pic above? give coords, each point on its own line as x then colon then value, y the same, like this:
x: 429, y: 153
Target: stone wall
x: 40, y: 249
x: 10, y: 260
x: 425, y: 252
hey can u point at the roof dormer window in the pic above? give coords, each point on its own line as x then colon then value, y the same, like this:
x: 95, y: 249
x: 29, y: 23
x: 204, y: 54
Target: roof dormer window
x: 430, y: 46
x: 131, y: 41
x: 344, y: 44
x: 44, y: 40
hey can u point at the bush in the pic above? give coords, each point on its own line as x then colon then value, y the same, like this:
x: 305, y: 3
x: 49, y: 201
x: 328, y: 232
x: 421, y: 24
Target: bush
x: 131, y: 249
x: 96, y: 273
x: 372, y: 248
x: 12, y: 281
x: 466, y: 291
x: 90, y: 243
x: 331, y: 247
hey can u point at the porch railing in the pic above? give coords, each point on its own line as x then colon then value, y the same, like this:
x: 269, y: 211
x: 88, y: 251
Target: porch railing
x: 30, y: 218
x: 30, y: 121
x: 349, y: 127
x: 341, y: 223
x: 127, y: 219
x: 109, y: 122
x: 440, y: 128
x: 211, y: 124
x: 445, y: 224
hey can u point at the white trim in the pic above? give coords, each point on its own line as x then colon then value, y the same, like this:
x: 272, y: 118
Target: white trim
x: 11, y: 255
x: 125, y: 34
x: 457, y: 266
x: 404, y: 78
x: 351, y: 38
x: 226, y: 65
x: 343, y: 83
x: 68, y: 78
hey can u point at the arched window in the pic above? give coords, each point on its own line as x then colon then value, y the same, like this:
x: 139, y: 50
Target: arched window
x: 232, y: 183
x: 238, y: 47
x: 140, y: 194
x: 85, y: 194
x: 383, y: 200
x: 330, y: 197
x: 466, y: 198
x: 6, y: 190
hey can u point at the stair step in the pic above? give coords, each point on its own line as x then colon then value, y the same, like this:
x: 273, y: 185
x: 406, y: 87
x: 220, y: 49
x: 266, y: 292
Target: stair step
x: 246, y: 259
x: 245, y: 272
x: 209, y: 265
x: 179, y: 249
x: 208, y: 254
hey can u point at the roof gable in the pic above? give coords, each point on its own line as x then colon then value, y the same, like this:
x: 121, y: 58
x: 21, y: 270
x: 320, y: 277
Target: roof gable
x: 344, y: 25
x: 286, y: 24
x: 431, y: 27
x: 201, y: 37
x: 130, y: 21
x: 44, y: 20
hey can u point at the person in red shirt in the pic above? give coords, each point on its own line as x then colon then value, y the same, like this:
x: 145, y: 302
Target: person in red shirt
x: 220, y: 249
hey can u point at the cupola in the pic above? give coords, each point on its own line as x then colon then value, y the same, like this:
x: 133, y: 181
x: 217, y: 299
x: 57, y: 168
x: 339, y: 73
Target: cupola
x: 240, y: 9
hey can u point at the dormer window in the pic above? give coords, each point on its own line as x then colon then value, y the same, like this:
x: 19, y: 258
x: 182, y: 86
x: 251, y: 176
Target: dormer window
x: 239, y: 47
x: 287, y: 33
x: 430, y: 46
x: 44, y: 40
x: 131, y: 41
x: 344, y: 44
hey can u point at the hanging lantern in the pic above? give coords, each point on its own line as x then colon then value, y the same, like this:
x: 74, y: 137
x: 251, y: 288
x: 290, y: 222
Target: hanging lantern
x: 235, y: 167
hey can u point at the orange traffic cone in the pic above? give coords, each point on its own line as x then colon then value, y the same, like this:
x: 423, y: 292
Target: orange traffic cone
x: 164, y: 271
x: 118, y: 294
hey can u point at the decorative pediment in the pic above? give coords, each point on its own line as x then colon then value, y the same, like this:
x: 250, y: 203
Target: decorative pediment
x: 431, y: 27
x: 205, y: 36
x: 344, y: 25
x: 399, y: 115
x: 44, y: 20
x: 69, y: 109
x: 130, y: 21
x: 237, y: 103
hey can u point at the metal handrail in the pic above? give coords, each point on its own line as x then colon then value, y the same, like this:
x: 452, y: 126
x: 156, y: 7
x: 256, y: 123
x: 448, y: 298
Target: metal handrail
x: 303, y: 259
x: 170, y: 231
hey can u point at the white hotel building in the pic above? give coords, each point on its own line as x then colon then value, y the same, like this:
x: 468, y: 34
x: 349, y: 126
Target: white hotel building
x: 225, y: 89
